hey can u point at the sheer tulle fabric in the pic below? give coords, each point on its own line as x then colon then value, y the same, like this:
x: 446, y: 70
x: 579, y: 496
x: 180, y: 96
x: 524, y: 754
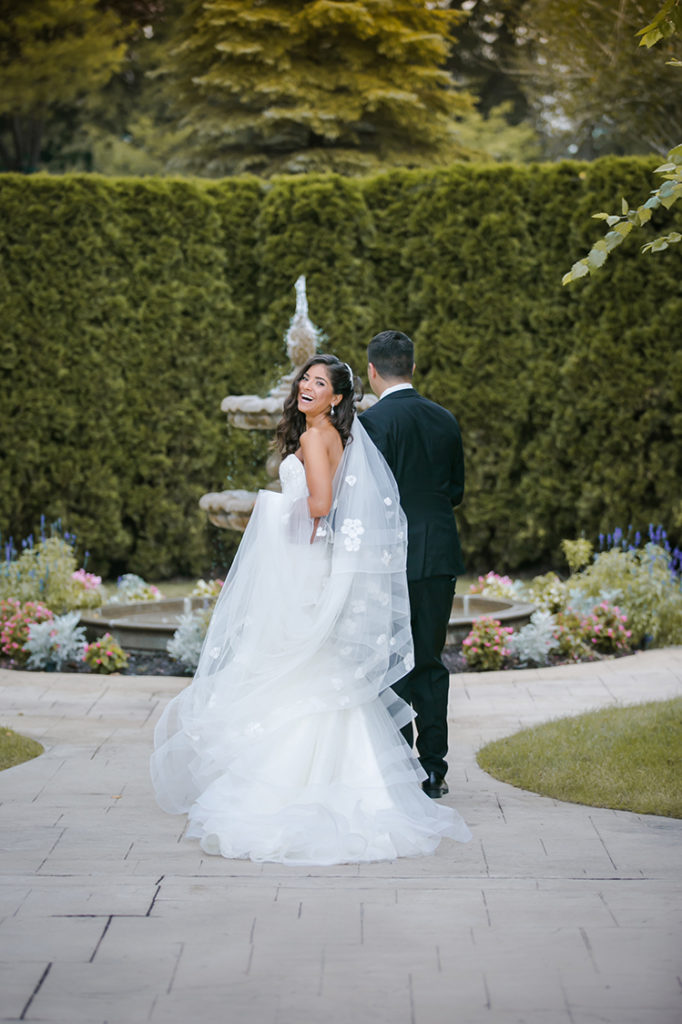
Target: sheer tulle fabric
x: 286, y: 746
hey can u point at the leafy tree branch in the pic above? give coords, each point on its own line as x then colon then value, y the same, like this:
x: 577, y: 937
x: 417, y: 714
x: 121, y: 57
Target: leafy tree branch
x: 667, y: 22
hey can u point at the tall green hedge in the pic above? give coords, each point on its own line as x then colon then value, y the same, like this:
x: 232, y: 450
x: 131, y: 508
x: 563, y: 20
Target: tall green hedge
x: 129, y: 308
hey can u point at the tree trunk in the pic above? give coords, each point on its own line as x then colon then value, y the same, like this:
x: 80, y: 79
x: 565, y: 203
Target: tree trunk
x: 27, y: 134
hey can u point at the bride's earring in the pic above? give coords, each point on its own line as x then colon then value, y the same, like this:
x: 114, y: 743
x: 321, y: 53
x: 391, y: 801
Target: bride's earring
x: 332, y: 411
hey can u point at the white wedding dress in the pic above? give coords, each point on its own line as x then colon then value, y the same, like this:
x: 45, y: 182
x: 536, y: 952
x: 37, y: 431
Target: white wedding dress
x: 286, y: 746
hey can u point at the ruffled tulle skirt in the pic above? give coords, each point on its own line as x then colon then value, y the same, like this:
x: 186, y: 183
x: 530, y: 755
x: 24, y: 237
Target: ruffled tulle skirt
x: 324, y: 788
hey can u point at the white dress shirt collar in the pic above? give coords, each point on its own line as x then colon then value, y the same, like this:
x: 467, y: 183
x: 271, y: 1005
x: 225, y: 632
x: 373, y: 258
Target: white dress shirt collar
x: 396, y: 387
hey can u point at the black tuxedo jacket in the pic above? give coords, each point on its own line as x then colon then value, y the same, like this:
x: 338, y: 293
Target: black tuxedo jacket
x: 422, y: 444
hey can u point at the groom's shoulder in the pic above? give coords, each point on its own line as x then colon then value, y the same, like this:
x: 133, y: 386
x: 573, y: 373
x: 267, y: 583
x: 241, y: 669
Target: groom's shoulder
x: 419, y: 404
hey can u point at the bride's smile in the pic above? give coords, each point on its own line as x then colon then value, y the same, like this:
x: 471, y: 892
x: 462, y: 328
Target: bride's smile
x: 315, y: 392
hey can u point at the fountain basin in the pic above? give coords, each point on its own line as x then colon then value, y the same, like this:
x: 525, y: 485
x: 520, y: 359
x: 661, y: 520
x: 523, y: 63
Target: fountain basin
x: 468, y: 607
x: 149, y: 625
x: 140, y: 625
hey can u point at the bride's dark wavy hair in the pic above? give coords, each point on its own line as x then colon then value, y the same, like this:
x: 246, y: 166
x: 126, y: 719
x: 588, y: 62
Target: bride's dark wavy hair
x: 343, y: 382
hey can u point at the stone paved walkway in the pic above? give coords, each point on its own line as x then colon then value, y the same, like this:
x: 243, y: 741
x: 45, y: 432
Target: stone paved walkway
x: 553, y: 913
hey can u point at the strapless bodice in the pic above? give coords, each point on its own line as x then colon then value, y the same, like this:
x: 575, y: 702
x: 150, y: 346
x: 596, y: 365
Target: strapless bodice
x: 292, y: 477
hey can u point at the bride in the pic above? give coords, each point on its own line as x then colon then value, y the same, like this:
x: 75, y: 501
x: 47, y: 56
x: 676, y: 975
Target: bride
x: 286, y: 746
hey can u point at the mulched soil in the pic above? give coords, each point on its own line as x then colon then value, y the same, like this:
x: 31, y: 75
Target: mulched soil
x: 147, y: 663
x: 158, y: 663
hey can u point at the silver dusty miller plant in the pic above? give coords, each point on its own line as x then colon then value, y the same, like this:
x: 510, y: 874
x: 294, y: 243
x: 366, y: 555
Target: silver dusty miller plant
x: 53, y: 643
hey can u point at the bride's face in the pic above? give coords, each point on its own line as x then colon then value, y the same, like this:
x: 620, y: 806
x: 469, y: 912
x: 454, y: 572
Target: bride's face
x: 315, y: 391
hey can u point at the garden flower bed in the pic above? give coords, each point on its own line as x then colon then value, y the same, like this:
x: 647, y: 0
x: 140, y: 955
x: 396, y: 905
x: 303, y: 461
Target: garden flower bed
x: 626, y: 596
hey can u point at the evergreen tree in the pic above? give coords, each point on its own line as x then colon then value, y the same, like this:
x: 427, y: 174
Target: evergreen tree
x: 315, y: 84
x: 486, y: 57
x: 52, y: 52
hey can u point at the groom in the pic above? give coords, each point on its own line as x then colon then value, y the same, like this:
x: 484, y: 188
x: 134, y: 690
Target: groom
x: 422, y: 444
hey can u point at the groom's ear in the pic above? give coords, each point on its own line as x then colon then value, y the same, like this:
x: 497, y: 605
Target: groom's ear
x: 371, y: 371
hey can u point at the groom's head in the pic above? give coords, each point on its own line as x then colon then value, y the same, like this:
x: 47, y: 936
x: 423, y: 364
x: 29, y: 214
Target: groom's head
x: 390, y: 355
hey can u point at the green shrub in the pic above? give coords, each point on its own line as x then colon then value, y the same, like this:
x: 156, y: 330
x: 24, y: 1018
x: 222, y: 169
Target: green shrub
x: 15, y: 629
x: 641, y: 582
x: 47, y: 573
x: 485, y: 647
x: 52, y: 644
x: 105, y: 655
x: 130, y: 308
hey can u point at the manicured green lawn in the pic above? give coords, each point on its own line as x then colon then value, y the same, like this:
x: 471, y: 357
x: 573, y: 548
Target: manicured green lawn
x: 626, y: 758
x: 14, y: 749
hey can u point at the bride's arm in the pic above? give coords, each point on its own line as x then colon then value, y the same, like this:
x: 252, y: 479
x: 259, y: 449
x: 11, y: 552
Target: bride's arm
x: 318, y: 475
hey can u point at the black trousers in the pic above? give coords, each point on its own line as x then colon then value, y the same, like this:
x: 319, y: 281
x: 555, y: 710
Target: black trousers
x: 426, y: 686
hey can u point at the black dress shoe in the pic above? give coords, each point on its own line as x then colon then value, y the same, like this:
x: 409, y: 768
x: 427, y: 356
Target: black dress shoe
x: 435, y: 786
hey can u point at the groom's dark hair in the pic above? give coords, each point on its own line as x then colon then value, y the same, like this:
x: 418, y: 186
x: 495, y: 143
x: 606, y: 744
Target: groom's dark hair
x: 392, y: 354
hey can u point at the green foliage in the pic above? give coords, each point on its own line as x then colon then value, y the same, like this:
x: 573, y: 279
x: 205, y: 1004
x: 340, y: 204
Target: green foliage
x: 602, y: 631
x: 45, y: 573
x: 547, y: 592
x: 122, y: 341
x: 493, y: 137
x: 621, y: 225
x: 52, y: 53
x: 15, y: 629
x: 485, y: 646
x: 314, y: 85
x: 666, y: 23
x: 626, y: 758
x: 643, y: 586
x: 570, y: 634
x: 593, y: 87
x: 577, y: 553
x: 105, y: 655
x: 130, y: 308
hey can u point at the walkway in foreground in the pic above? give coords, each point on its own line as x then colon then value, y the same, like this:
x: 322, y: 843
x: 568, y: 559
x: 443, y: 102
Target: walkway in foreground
x: 553, y: 913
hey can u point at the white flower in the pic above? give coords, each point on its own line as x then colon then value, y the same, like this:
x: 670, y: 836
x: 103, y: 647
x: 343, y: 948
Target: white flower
x: 386, y: 557
x: 353, y: 529
x: 351, y: 480
x: 358, y: 607
x: 380, y: 640
x: 321, y: 531
x: 408, y: 662
x: 214, y: 652
x: 387, y: 501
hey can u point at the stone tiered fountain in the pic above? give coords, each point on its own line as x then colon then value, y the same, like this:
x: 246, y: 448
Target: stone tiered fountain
x: 231, y: 509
